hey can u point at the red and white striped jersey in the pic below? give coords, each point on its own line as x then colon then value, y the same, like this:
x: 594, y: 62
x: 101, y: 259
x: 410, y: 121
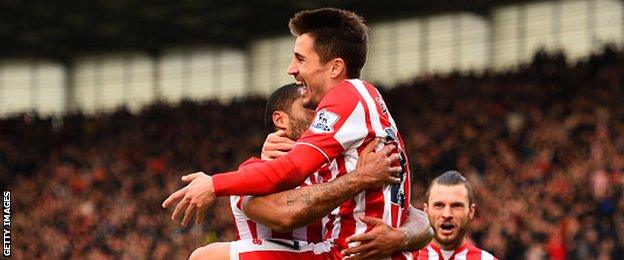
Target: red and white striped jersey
x: 464, y: 252
x: 350, y: 115
x: 249, y: 229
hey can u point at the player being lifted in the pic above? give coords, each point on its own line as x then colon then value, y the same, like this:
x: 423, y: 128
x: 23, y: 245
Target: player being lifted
x: 329, y: 52
x: 254, y: 239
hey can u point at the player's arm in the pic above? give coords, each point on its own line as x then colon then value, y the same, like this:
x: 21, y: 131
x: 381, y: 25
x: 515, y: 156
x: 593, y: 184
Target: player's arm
x: 261, y: 178
x: 292, y: 209
x: 418, y: 230
x: 339, y: 124
x: 317, y: 146
x: 383, y: 240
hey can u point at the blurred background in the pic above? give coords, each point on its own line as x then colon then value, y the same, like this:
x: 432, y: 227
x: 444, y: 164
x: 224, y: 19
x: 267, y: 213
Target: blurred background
x: 105, y: 104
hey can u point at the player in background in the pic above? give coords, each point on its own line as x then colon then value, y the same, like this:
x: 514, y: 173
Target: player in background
x: 450, y: 207
x: 285, y: 112
x: 329, y: 53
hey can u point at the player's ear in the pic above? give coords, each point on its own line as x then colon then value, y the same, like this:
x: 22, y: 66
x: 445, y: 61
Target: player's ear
x: 472, y: 209
x: 425, y: 207
x: 338, y: 66
x: 280, y: 119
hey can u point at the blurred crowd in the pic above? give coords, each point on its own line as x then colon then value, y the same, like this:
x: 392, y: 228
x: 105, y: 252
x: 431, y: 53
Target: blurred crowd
x: 542, y: 144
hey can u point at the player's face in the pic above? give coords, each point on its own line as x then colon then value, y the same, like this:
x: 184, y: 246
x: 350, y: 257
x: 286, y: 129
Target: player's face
x: 300, y: 119
x: 449, y: 214
x: 308, y: 70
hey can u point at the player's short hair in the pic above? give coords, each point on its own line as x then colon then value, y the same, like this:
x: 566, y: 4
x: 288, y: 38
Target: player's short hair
x: 451, y: 178
x: 280, y: 100
x: 337, y: 34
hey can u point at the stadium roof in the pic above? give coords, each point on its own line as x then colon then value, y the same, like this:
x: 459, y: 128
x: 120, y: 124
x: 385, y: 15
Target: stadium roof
x: 61, y: 29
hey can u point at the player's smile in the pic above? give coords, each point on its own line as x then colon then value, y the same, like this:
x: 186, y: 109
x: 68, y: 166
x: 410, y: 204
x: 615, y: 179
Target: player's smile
x: 309, y: 71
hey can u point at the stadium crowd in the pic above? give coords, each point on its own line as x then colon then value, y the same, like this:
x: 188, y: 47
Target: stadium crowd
x: 543, y: 145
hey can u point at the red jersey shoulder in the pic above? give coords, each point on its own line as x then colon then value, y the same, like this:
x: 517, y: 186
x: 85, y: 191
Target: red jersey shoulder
x: 337, y: 105
x: 478, y: 253
x: 343, y: 94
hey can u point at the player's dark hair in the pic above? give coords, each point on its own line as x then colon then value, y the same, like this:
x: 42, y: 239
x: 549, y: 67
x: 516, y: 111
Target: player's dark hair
x: 337, y: 34
x: 451, y: 178
x: 281, y: 99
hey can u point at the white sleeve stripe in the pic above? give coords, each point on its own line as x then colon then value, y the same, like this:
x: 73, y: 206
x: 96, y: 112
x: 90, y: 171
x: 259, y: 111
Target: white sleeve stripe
x: 315, y: 147
x: 372, y: 107
x: 392, y: 123
x: 353, y: 131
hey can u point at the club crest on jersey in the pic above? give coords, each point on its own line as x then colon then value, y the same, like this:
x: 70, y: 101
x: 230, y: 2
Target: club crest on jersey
x: 382, y: 105
x: 324, y: 121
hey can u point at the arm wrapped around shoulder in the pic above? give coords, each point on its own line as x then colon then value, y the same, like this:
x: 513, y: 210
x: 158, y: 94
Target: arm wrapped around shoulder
x: 268, y: 177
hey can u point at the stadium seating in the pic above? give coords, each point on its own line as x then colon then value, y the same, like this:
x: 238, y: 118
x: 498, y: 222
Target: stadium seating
x: 543, y: 145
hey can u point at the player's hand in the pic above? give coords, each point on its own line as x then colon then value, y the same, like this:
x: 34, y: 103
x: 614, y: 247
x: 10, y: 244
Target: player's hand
x: 197, y: 195
x: 375, y: 169
x: 276, y: 145
x: 379, y: 242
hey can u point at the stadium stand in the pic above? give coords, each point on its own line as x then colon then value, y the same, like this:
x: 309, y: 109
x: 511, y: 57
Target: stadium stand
x: 543, y: 145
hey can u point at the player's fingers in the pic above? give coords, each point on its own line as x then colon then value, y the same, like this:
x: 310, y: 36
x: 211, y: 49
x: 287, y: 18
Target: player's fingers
x: 174, y: 197
x: 284, y: 146
x: 284, y: 140
x: 388, y: 149
x: 201, y: 213
x: 356, y: 250
x: 359, y: 238
x: 280, y: 132
x: 372, y: 221
x: 394, y: 180
x: 275, y: 154
x: 370, y: 146
x: 274, y: 139
x: 395, y: 170
x: 192, y: 176
x: 181, y: 207
x: 188, y: 213
x: 393, y: 158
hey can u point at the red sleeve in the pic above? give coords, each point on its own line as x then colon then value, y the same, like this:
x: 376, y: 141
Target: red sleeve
x: 248, y: 162
x: 268, y: 177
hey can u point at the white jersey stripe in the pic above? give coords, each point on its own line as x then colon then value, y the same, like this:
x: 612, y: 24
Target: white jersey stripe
x: 462, y: 255
x: 372, y: 107
x: 360, y: 207
x: 263, y: 231
x: 350, y: 158
x: 336, y: 230
x: 240, y: 219
x: 433, y: 255
x: 392, y: 123
x: 354, y: 128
